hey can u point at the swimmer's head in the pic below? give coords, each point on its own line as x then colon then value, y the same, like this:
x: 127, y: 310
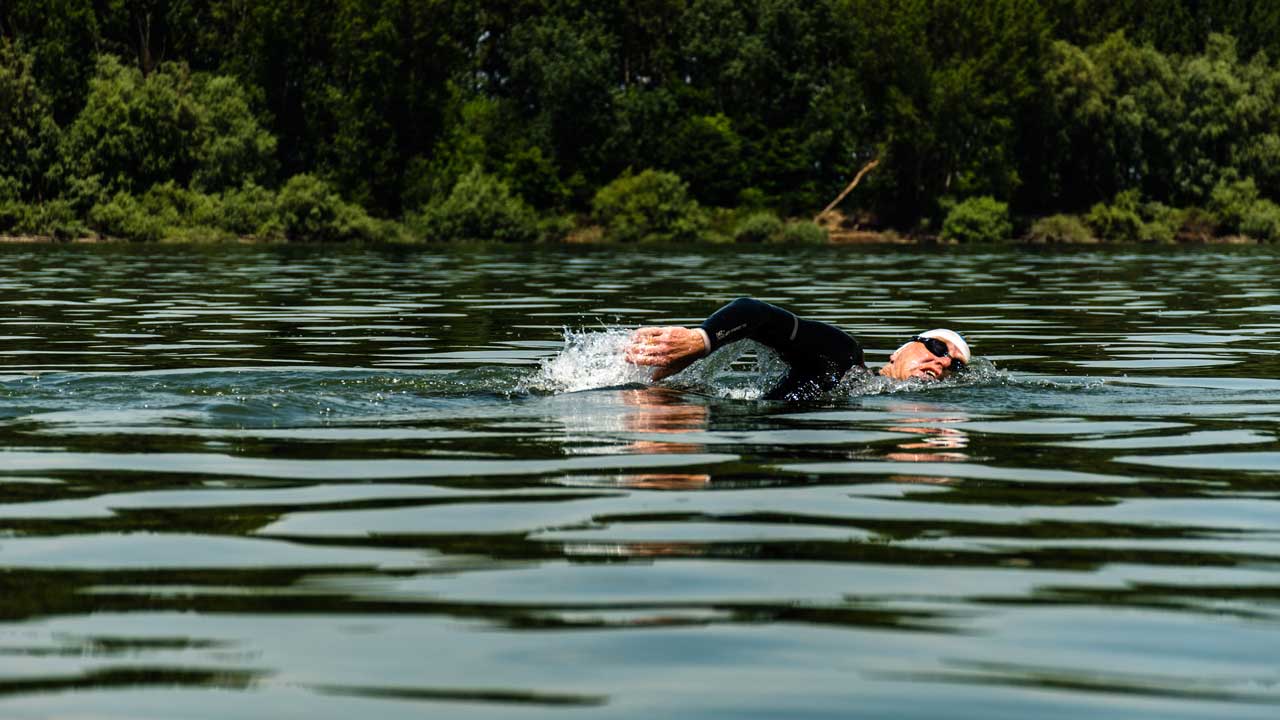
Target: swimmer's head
x: 928, y: 356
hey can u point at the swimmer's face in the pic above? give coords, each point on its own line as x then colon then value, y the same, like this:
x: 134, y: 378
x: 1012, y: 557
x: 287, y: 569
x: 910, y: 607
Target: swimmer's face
x: 914, y: 360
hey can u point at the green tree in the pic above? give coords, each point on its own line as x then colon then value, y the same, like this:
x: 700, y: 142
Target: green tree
x: 133, y: 132
x: 562, y: 83
x: 136, y: 131
x: 62, y: 37
x: 231, y: 147
x: 28, y: 133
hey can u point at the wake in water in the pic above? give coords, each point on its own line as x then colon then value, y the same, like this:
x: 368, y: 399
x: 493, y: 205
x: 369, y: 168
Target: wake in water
x: 589, y: 360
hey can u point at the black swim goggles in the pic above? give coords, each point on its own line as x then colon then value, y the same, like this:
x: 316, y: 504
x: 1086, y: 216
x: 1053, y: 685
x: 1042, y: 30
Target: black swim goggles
x: 939, y: 349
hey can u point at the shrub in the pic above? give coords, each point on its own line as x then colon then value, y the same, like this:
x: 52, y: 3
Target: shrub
x: 310, y: 209
x: 978, y: 220
x: 480, y: 207
x: 197, y: 234
x: 1262, y: 221
x: 721, y: 224
x: 1127, y: 219
x: 1118, y: 221
x: 554, y: 228
x: 586, y: 235
x: 752, y: 198
x: 249, y: 210
x: 1240, y: 208
x: 758, y: 227
x: 802, y: 232
x: 1231, y: 201
x: 1060, y: 229
x: 649, y: 207
x: 124, y: 216
x: 55, y: 218
x: 1161, y: 223
x: 1198, y: 225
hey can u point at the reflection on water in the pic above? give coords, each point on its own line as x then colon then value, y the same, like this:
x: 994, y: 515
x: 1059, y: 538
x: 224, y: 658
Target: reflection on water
x: 290, y: 482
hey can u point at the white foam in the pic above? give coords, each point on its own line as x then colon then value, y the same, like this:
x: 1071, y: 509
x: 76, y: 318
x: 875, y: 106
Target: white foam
x: 589, y: 360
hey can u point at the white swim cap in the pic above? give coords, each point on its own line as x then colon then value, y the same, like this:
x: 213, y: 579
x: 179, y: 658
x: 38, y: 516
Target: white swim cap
x: 952, y: 337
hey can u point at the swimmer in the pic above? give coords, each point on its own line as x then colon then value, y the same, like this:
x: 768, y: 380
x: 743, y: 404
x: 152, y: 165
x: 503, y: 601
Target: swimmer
x: 818, y: 355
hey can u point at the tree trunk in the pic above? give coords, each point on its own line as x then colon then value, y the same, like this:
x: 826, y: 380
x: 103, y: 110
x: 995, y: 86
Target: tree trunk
x: 857, y: 179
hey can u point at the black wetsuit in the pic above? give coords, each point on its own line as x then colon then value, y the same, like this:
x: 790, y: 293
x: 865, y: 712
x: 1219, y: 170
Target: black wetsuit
x: 818, y: 354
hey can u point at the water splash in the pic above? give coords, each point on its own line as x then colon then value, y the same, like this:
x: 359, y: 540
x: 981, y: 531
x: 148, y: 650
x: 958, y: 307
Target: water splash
x: 589, y: 360
x: 747, y: 371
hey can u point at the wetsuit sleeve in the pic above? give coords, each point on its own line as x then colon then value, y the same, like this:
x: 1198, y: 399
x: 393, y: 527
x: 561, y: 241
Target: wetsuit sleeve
x: 817, y: 354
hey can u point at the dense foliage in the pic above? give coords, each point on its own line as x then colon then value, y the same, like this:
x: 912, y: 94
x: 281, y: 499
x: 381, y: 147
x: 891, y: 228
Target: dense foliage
x: 499, y: 119
x: 978, y: 220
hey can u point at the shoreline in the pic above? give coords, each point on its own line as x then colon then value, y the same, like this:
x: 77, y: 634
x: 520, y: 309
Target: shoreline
x: 844, y: 237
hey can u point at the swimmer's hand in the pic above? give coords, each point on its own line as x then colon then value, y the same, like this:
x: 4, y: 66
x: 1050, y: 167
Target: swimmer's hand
x: 669, y: 349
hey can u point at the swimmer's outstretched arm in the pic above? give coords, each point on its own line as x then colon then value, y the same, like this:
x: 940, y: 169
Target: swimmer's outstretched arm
x: 800, y: 342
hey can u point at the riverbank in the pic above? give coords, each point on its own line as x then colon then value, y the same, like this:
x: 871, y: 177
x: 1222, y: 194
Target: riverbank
x: 856, y: 237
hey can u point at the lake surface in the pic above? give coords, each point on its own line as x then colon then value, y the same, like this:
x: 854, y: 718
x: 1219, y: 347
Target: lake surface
x: 331, y: 483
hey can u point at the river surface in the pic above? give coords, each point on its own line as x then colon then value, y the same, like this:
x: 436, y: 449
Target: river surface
x: 333, y: 483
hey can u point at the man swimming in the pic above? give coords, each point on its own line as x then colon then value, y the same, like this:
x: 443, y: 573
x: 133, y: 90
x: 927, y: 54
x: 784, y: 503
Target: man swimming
x: 818, y: 354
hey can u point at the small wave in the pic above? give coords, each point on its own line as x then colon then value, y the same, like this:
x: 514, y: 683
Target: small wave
x: 979, y: 373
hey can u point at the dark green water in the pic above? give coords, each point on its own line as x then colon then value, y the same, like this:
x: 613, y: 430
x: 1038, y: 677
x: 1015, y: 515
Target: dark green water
x: 315, y: 483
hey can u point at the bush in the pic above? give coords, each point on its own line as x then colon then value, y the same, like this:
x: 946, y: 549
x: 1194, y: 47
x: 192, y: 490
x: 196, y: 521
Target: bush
x: 554, y: 228
x: 1127, y: 219
x: 124, y: 216
x: 752, y: 198
x: 55, y: 218
x: 480, y: 207
x: 721, y: 224
x: 1060, y: 229
x: 1262, y: 221
x: 758, y: 227
x: 1239, y: 208
x: 249, y: 210
x: 586, y: 235
x: 978, y: 220
x: 310, y: 209
x: 650, y: 207
x: 197, y: 234
x: 1197, y: 225
x: 1119, y: 221
x: 1161, y: 223
x: 802, y: 232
